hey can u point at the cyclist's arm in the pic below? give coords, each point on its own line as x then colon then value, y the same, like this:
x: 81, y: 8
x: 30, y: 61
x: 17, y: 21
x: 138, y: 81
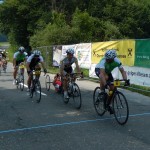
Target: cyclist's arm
x: 77, y: 65
x: 27, y: 66
x: 124, y: 75
x: 43, y: 65
x: 14, y: 62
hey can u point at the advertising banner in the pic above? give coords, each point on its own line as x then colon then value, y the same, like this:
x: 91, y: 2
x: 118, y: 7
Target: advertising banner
x: 142, y: 53
x: 125, y: 50
x: 138, y: 75
x: 57, y: 52
x: 83, y: 54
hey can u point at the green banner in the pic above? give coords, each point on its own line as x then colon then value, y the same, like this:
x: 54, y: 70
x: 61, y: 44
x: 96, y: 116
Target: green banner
x: 142, y: 53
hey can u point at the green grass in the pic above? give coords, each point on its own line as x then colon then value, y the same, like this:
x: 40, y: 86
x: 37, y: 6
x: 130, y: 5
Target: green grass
x: 139, y: 89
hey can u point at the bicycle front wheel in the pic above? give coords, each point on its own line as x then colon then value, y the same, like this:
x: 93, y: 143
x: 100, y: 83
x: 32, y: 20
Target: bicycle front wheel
x: 98, y: 101
x: 37, y: 91
x: 120, y: 108
x: 21, y: 83
x: 76, y: 95
x: 47, y: 82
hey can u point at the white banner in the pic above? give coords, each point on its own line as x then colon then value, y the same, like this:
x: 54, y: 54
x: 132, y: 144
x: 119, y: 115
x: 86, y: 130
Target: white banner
x: 57, y: 52
x: 83, y: 54
x: 137, y: 75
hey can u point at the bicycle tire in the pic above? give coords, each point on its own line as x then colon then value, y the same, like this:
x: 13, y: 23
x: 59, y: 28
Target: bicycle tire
x: 98, y: 102
x: 119, y: 102
x: 76, y: 95
x: 37, y: 91
x: 65, y: 100
x: 21, y: 83
x: 31, y: 91
x: 47, y: 82
x: 17, y: 83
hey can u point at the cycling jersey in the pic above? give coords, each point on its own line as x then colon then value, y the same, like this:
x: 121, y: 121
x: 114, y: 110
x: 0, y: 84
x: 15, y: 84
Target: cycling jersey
x: 67, y: 64
x: 34, y: 61
x: 20, y: 57
x: 109, y: 66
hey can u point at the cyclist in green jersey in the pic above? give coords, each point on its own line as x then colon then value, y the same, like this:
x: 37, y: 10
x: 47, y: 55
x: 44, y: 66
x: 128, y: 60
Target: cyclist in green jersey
x: 19, y: 57
x: 104, y: 68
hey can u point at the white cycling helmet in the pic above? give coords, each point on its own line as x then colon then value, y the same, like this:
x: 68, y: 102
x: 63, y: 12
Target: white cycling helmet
x: 70, y: 51
x: 37, y: 53
x: 110, y: 54
x: 21, y: 49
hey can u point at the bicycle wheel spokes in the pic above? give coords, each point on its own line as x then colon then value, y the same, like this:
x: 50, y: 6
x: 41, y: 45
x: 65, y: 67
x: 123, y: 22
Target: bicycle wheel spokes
x: 98, y: 101
x: 120, y: 108
x: 21, y: 83
x: 47, y: 82
x: 76, y: 96
x: 38, y: 91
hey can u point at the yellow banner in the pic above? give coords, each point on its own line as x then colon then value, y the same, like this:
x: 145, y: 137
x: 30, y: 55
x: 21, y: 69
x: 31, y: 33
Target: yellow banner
x: 125, y: 51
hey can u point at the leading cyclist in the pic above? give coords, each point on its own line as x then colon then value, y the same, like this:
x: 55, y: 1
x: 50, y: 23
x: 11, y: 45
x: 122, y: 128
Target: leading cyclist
x: 66, y: 67
x: 104, y: 68
x: 19, y: 57
x: 33, y: 63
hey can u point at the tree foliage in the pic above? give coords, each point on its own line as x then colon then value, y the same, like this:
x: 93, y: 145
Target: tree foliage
x: 57, y: 22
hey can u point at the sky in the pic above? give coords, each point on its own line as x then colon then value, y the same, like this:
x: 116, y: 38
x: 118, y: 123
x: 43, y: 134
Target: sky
x: 1, y: 1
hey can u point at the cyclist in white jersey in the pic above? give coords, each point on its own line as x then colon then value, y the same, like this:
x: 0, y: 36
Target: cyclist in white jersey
x: 19, y: 57
x: 66, y: 67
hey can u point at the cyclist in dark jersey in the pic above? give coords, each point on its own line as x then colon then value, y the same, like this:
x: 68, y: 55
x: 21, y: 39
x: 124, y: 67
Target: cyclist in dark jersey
x: 66, y: 67
x: 18, y: 58
x: 104, y: 68
x: 33, y: 63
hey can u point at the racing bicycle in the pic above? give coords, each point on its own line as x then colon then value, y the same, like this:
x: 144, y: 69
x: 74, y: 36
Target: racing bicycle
x: 20, y: 77
x: 117, y: 102
x: 35, y: 89
x: 73, y: 90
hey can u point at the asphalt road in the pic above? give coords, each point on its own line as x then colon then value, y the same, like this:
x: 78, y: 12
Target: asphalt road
x: 53, y: 125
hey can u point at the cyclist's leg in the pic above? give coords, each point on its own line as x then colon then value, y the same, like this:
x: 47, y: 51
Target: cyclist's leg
x: 64, y: 83
x: 29, y: 79
x: 98, y: 72
x: 15, y: 71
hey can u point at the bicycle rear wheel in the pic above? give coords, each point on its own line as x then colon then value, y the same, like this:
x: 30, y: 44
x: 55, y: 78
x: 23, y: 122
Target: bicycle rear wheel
x: 98, y: 101
x: 21, y: 83
x: 76, y: 96
x: 47, y: 82
x: 37, y: 91
x: 120, y: 108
